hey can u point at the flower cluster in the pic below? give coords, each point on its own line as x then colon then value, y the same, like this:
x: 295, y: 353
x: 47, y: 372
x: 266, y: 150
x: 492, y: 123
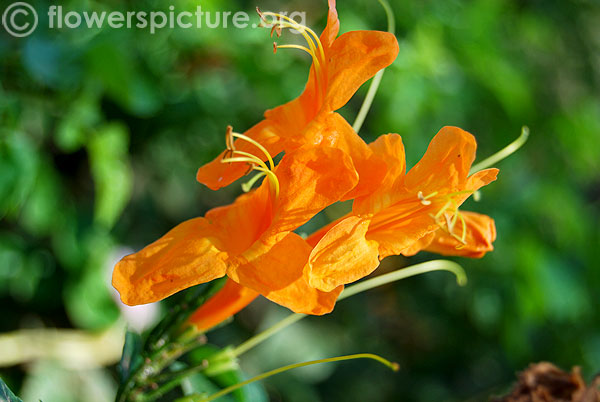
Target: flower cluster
x: 253, y: 240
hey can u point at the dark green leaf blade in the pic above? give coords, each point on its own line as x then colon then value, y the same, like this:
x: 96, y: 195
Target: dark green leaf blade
x: 6, y: 394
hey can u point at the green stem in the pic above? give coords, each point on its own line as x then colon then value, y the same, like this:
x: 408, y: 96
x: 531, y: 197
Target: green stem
x: 418, y: 269
x: 181, y: 374
x: 364, y: 109
x: 429, y: 266
x: 255, y: 340
x: 225, y: 391
x: 503, y: 153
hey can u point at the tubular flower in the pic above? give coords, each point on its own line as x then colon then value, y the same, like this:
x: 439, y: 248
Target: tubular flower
x: 340, y: 65
x: 401, y: 206
x: 225, y: 303
x: 405, y: 213
x: 251, y: 241
x: 480, y: 234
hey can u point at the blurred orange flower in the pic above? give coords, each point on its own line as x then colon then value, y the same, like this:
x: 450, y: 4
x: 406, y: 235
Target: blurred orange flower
x: 339, y: 67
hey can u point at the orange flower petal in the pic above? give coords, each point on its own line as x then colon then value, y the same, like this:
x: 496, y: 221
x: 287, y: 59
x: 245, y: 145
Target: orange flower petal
x: 184, y: 257
x: 315, y: 237
x: 481, y: 233
x: 277, y: 275
x: 216, y: 174
x: 342, y: 256
x: 237, y: 226
x: 481, y: 178
x: 355, y: 57
x: 446, y: 163
x: 330, y: 129
x: 389, y: 148
x: 224, y: 304
x: 289, y: 120
x: 394, y: 239
x: 310, y: 180
x: 332, y: 28
x: 420, y: 244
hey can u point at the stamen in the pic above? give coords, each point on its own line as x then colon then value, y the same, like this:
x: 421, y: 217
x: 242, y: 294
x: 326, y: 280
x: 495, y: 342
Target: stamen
x: 253, y: 161
x: 425, y: 200
x: 248, y: 185
x: 256, y: 144
x: 277, y: 30
x: 441, y: 211
x: 312, y: 33
x: 300, y: 47
x: 314, y: 49
x: 447, y: 216
x: 464, y: 228
x: 229, y: 139
x: 449, y: 222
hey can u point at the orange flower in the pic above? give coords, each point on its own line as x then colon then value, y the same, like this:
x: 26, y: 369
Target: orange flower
x: 339, y: 67
x: 480, y: 234
x: 250, y: 240
x: 397, y: 219
x: 405, y: 209
x: 224, y: 304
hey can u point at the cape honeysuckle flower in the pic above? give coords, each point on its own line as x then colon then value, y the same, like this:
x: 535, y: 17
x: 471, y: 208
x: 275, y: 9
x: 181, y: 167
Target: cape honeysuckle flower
x: 479, y: 237
x: 230, y: 299
x: 252, y: 240
x: 339, y: 67
x: 405, y: 208
x: 398, y: 218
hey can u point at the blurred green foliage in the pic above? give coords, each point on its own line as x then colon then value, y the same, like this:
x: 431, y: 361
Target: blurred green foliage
x: 102, y: 130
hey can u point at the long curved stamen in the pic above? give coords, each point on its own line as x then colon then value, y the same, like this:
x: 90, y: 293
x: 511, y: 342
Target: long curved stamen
x: 299, y: 47
x: 233, y: 155
x: 314, y: 49
x: 247, y: 186
x: 256, y: 144
x: 301, y: 28
x: 448, y: 215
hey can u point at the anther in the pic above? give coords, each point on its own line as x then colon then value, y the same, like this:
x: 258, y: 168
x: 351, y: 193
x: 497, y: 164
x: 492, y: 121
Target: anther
x: 315, y: 49
x: 425, y: 200
x: 277, y: 30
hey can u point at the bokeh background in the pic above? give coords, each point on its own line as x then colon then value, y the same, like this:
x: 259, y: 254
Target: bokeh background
x: 102, y: 130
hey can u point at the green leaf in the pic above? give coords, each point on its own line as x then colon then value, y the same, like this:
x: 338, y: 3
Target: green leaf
x: 6, y: 395
x: 18, y: 164
x: 73, y: 131
x: 131, y: 358
x: 111, y: 172
x: 169, y: 326
x: 203, y: 383
x: 87, y: 298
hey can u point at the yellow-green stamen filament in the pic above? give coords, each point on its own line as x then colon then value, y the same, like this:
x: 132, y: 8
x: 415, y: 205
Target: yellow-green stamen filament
x: 233, y: 155
x: 314, y: 49
x: 448, y: 215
